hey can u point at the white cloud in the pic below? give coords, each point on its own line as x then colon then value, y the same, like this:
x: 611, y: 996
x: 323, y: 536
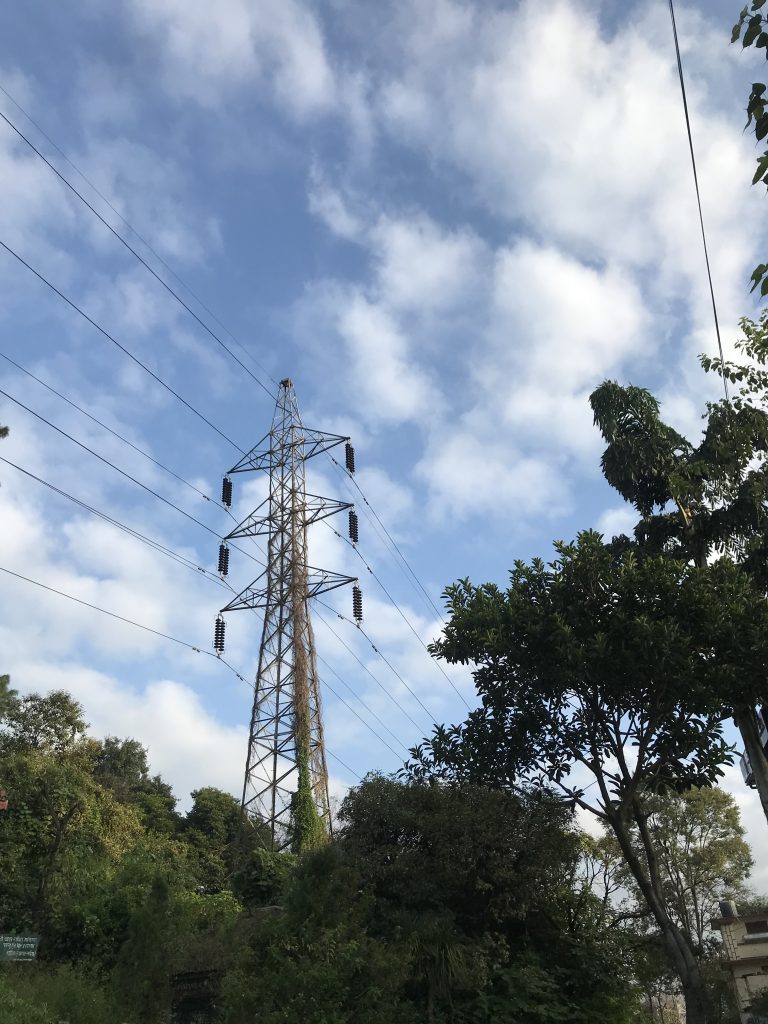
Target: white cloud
x: 212, y: 52
x: 615, y: 521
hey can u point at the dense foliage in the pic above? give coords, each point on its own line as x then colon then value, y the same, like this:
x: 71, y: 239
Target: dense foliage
x: 434, y: 902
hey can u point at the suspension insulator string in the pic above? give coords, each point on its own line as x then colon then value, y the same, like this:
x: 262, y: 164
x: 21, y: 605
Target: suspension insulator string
x: 218, y: 635
x: 226, y: 492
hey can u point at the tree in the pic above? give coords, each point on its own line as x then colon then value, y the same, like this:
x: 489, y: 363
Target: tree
x: 220, y: 835
x: 696, y: 502
x: 613, y: 665
x: 702, y: 856
x: 122, y: 767
x: 752, y: 29
x: 433, y: 903
x: 7, y: 695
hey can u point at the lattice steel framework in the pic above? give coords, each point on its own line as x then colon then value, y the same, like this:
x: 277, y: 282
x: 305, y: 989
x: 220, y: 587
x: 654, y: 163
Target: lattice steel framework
x: 286, y: 730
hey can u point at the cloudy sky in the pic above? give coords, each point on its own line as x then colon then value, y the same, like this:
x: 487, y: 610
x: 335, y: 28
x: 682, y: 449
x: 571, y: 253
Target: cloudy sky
x: 445, y: 221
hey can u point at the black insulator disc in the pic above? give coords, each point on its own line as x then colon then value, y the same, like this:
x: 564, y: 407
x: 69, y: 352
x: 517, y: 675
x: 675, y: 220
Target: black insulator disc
x: 353, y: 527
x: 357, y: 603
x: 223, y: 559
x: 218, y: 635
x: 349, y: 454
x: 226, y: 491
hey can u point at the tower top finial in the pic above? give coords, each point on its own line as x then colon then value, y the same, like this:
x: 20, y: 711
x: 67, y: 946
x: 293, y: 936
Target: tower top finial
x: 286, y: 382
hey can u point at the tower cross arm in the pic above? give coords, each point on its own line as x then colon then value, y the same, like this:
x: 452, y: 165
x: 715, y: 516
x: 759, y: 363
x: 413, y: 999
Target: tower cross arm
x: 265, y: 455
x: 317, y: 508
x: 255, y: 523
x: 320, y: 581
x: 253, y: 596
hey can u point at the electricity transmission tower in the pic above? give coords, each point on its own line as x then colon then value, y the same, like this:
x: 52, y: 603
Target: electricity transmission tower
x: 286, y: 777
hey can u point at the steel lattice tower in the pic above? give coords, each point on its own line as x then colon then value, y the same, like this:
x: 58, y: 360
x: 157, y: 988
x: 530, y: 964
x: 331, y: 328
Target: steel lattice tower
x: 286, y: 752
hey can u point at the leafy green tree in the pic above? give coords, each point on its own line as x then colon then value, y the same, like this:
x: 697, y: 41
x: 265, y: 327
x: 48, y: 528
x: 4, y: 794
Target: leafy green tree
x: 61, y: 826
x: 603, y: 662
x: 434, y: 903
x: 219, y: 834
x: 122, y: 767
x: 7, y: 695
x: 698, y: 502
x: 702, y: 856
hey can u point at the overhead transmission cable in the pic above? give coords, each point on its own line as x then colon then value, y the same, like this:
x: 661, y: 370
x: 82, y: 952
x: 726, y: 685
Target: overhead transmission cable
x: 383, y: 657
x: 362, y: 664
x: 133, y: 230
x: 411, y: 574
x: 138, y: 255
x: 155, y: 545
x: 147, y: 629
x: 401, y: 613
x: 104, y: 426
x: 122, y: 472
x: 109, y: 337
x: 349, y: 707
x: 125, y: 440
x: 357, y: 697
x: 698, y: 198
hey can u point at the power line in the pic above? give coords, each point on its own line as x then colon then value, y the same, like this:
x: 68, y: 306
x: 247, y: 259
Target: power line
x: 106, y: 461
x: 349, y: 707
x: 128, y: 476
x: 112, y: 615
x: 413, y: 579
x: 133, y: 230
x: 357, y: 697
x: 138, y: 255
x: 155, y: 632
x: 698, y: 198
x: 114, y: 341
x: 104, y: 426
x: 402, y: 615
x: 343, y: 764
x: 383, y: 657
x: 149, y: 541
x: 363, y: 666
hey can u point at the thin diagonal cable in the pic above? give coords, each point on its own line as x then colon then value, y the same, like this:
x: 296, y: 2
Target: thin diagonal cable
x: 410, y: 574
x: 402, y: 614
x: 364, y: 667
x: 104, y: 426
x: 383, y: 657
x: 155, y: 632
x: 109, y: 337
x: 188, y: 563
x: 112, y: 615
x: 138, y: 255
x: 344, y: 764
x: 133, y: 230
x: 349, y: 707
x: 698, y: 199
x: 358, y: 698
x: 128, y: 476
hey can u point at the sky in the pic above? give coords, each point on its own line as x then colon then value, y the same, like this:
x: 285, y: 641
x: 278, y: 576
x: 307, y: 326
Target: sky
x: 445, y: 221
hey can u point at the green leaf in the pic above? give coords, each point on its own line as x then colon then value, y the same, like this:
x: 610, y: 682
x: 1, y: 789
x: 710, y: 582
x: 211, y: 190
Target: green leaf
x: 753, y: 31
x: 762, y: 167
x: 761, y: 127
x: 764, y: 286
x: 757, y: 4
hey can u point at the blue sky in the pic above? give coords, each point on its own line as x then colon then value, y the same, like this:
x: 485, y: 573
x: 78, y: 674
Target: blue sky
x: 445, y: 221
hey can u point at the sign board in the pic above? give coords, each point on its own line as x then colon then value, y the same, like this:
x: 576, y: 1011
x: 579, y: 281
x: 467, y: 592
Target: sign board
x: 18, y: 947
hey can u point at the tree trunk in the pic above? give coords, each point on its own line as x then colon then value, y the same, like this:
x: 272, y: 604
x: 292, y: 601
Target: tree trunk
x: 744, y: 717
x: 678, y: 947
